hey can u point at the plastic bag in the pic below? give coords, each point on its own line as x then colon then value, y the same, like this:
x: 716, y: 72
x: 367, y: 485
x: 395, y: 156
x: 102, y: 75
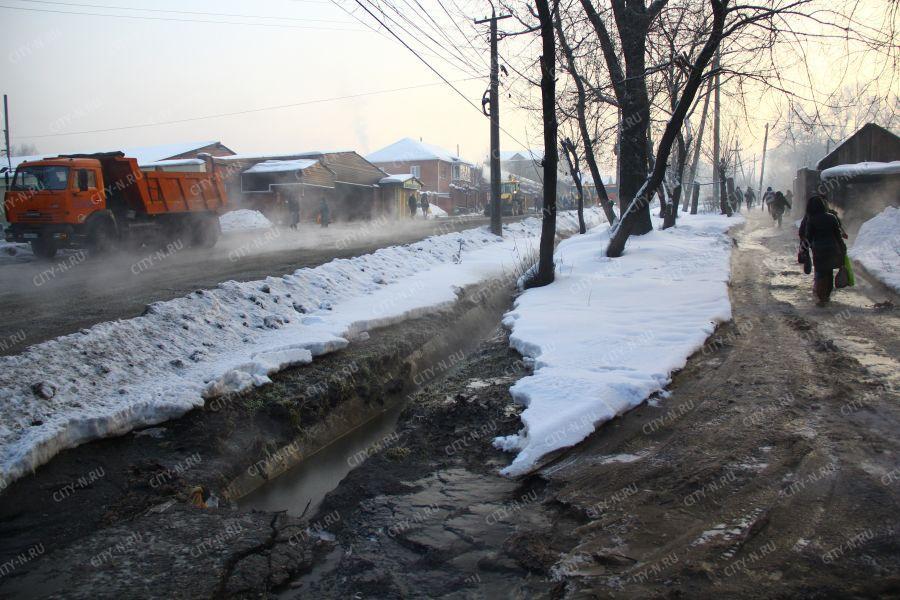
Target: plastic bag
x: 845, y: 277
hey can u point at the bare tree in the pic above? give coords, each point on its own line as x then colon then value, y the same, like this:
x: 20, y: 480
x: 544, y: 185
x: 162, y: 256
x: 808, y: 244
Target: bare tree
x: 581, y: 116
x: 575, y: 170
x: 632, y: 216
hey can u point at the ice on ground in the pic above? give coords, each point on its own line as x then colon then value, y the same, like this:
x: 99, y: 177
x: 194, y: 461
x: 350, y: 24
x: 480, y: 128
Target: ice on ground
x: 877, y: 247
x: 243, y: 219
x: 119, y: 375
x: 608, y: 333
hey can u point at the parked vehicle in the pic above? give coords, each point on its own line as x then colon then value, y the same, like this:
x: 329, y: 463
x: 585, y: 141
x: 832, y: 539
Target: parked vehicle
x: 102, y: 200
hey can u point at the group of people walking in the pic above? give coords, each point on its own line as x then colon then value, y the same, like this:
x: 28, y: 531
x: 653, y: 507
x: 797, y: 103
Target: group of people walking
x: 777, y: 203
x: 422, y: 203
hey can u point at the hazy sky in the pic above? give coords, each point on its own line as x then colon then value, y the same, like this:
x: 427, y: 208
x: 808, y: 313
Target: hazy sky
x: 70, y: 73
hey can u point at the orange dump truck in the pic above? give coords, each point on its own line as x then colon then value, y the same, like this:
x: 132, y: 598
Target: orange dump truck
x: 101, y: 200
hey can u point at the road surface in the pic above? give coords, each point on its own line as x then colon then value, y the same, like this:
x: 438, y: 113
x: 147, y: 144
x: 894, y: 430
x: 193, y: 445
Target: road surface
x: 40, y: 300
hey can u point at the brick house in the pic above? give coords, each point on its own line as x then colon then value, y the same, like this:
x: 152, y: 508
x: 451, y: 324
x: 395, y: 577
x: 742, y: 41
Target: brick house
x: 449, y: 180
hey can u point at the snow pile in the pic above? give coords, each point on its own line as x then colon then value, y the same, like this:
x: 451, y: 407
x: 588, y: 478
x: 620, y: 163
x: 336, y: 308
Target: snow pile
x: 608, y: 333
x: 12, y: 249
x: 119, y: 375
x: 860, y: 169
x: 243, y: 220
x: 436, y: 212
x: 877, y: 247
x: 281, y: 166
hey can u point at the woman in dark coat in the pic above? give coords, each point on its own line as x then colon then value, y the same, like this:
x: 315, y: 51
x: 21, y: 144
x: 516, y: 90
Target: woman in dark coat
x: 821, y: 230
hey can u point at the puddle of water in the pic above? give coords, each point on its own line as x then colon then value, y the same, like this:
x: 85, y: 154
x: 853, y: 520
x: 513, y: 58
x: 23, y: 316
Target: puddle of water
x: 320, y: 473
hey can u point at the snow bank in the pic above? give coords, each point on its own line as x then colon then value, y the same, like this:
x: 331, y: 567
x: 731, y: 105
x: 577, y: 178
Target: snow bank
x: 243, y: 220
x: 436, y: 212
x: 608, y: 333
x: 13, y: 249
x: 119, y: 375
x: 877, y: 247
x: 863, y: 168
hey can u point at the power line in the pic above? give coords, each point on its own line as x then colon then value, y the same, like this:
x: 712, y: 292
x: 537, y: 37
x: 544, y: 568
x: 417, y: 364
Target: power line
x: 145, y: 18
x: 183, y: 12
x: 434, y: 70
x: 243, y: 112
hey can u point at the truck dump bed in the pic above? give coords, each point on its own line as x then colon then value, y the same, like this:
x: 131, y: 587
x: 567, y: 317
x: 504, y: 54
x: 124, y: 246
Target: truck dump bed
x: 158, y: 192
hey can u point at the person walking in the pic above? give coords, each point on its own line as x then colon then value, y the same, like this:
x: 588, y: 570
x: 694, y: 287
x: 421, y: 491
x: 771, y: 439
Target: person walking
x: 822, y: 232
x: 294, y: 210
x: 324, y: 213
x: 778, y: 206
x: 767, y: 198
x: 750, y: 198
x: 425, y: 206
x: 738, y: 197
x: 411, y: 203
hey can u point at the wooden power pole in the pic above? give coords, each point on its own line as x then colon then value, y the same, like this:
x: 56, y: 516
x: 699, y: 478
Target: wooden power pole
x: 762, y: 168
x: 6, y: 131
x: 716, y: 148
x: 494, y: 114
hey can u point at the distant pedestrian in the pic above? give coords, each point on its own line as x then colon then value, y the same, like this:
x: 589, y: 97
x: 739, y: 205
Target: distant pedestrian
x: 750, y: 198
x: 294, y: 210
x: 425, y: 206
x: 324, y: 212
x: 822, y: 232
x: 789, y: 196
x: 767, y: 198
x: 411, y: 203
x: 738, y: 197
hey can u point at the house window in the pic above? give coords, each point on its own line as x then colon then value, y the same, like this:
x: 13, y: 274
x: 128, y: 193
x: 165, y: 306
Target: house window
x: 455, y: 171
x: 416, y: 171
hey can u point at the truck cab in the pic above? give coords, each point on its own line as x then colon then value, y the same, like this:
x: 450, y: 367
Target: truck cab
x: 48, y: 201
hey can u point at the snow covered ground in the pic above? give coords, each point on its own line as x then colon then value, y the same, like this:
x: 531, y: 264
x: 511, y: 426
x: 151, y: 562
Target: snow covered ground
x: 877, y: 247
x: 119, y: 375
x: 608, y: 333
x: 435, y: 212
x: 243, y: 220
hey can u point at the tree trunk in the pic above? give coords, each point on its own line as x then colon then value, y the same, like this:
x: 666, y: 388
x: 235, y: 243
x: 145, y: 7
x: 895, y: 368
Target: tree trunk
x: 581, y: 102
x: 545, y: 275
x: 724, y: 200
x: 632, y: 22
x: 695, y: 197
x: 672, y: 214
x: 632, y: 218
x: 575, y: 170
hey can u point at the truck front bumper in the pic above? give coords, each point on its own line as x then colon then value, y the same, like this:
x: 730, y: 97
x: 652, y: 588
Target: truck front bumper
x: 64, y: 236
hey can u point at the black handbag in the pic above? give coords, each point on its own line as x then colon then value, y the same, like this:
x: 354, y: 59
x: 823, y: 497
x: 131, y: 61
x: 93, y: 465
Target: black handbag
x: 804, y: 258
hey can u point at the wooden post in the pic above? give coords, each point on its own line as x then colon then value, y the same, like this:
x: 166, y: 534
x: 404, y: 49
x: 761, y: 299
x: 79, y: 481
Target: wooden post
x: 762, y: 168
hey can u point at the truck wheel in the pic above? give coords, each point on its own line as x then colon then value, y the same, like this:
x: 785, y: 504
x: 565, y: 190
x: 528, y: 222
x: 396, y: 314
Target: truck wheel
x: 205, y: 232
x: 101, y: 236
x: 42, y: 248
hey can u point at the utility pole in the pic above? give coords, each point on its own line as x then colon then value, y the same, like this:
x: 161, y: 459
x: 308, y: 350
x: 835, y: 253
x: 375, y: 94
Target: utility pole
x: 6, y: 131
x: 696, y: 160
x: 762, y: 168
x: 494, y: 114
x: 716, y: 149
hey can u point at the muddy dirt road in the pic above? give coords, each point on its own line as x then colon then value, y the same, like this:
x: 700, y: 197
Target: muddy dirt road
x: 40, y: 300
x: 771, y: 470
